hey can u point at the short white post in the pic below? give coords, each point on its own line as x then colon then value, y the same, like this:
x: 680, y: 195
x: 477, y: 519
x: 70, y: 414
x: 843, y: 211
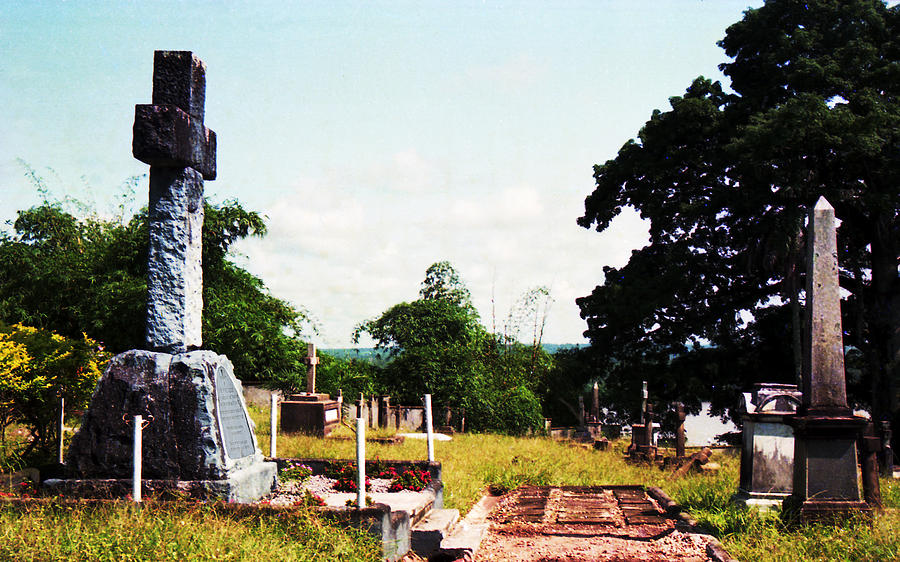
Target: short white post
x: 361, y: 462
x: 429, y: 431
x: 138, y: 446
x: 62, y: 426
x: 273, y: 423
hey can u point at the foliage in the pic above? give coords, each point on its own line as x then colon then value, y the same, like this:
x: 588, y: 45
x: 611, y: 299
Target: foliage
x: 294, y: 470
x: 410, y: 479
x: 88, y: 276
x: 37, y: 368
x: 349, y: 376
x: 726, y: 179
x: 346, y: 475
x: 175, y: 531
x: 439, y: 347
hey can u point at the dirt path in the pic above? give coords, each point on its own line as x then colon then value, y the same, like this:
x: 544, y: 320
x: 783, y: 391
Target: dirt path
x: 571, y: 523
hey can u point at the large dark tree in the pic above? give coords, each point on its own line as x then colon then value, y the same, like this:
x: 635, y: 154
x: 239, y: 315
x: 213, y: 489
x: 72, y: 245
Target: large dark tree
x: 726, y: 178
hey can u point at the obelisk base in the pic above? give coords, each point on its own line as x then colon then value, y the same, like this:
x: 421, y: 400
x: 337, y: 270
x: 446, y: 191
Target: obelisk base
x: 826, y: 475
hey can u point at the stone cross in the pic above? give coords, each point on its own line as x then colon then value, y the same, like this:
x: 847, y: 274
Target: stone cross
x: 824, y: 385
x: 595, y: 402
x: 311, y: 361
x: 170, y: 136
x: 644, y: 396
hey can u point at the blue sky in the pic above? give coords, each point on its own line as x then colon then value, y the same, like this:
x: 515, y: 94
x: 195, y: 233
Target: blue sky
x: 377, y: 137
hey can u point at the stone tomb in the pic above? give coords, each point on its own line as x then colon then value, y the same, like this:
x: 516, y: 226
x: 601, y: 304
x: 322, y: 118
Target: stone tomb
x: 316, y: 414
x: 199, y: 438
x: 767, y: 457
x: 309, y: 412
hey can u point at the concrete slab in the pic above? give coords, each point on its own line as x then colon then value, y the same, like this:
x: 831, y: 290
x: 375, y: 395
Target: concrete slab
x: 437, y: 436
x: 427, y: 535
x: 468, y: 534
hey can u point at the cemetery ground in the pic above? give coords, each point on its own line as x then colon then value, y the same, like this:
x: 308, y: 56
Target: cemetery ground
x: 472, y: 464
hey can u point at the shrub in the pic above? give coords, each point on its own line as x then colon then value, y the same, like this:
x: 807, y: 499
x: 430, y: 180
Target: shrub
x: 411, y: 479
x: 37, y: 367
x: 295, y: 470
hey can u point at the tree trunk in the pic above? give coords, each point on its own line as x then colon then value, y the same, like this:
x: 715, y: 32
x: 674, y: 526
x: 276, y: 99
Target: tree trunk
x: 884, y: 324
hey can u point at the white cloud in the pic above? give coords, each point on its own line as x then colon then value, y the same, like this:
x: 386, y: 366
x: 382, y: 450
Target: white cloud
x: 348, y: 252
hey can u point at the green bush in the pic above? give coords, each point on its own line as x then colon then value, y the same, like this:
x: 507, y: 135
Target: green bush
x: 37, y: 367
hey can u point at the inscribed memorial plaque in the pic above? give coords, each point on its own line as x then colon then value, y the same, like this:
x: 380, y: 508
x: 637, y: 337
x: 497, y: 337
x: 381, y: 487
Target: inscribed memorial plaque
x: 232, y: 418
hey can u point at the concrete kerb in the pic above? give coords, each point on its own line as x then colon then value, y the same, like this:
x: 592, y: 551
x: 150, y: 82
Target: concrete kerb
x: 463, y: 543
x: 714, y: 548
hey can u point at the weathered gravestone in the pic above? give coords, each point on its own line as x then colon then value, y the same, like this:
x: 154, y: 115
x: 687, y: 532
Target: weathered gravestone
x: 309, y: 412
x: 200, y: 437
x: 593, y: 425
x: 767, y: 456
x: 826, y: 477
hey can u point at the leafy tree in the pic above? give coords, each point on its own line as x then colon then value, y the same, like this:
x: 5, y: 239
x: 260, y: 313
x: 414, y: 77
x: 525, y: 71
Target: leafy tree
x: 89, y: 276
x: 438, y: 346
x: 726, y: 179
x: 434, y: 341
x: 37, y: 368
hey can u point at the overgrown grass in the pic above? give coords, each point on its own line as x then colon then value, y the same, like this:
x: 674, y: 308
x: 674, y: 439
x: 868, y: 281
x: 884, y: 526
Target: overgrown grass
x: 473, y: 463
x: 171, y: 532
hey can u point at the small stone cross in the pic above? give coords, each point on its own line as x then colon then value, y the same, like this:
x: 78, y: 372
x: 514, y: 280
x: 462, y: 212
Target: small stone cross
x: 169, y: 134
x: 311, y: 361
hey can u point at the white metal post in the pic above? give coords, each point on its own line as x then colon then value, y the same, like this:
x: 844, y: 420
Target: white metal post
x: 361, y: 462
x: 62, y: 426
x: 429, y: 428
x: 273, y: 424
x: 138, y: 446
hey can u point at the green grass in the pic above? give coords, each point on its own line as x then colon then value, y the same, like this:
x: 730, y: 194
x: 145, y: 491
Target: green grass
x: 471, y: 464
x: 172, y: 532
x: 474, y: 462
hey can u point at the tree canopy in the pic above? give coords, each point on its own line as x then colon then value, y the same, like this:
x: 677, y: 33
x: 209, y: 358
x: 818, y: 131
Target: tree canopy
x: 726, y: 178
x: 88, y: 276
x: 438, y: 346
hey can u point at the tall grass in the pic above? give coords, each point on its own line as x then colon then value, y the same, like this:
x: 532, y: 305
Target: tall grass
x: 473, y: 463
x: 172, y: 532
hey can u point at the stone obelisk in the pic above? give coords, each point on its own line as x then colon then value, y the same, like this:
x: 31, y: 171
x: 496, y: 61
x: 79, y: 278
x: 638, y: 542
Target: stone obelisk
x: 825, y: 429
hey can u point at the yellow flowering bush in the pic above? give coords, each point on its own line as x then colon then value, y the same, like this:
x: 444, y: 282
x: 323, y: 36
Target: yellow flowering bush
x: 37, y: 367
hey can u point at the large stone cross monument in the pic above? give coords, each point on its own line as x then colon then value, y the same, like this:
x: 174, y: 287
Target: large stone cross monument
x: 200, y: 437
x: 171, y: 137
x: 825, y: 431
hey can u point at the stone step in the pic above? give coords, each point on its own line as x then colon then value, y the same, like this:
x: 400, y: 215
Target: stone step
x: 463, y: 542
x: 427, y: 534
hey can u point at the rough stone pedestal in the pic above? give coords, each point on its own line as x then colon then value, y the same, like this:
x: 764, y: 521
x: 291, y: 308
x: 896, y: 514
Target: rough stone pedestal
x: 594, y: 429
x: 199, y: 436
x: 767, y: 457
x: 315, y: 414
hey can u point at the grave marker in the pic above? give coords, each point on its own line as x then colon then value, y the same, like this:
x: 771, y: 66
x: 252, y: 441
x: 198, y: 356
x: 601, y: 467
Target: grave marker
x: 311, y: 360
x: 201, y: 438
x: 169, y: 134
x: 825, y: 482
x: 310, y: 412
